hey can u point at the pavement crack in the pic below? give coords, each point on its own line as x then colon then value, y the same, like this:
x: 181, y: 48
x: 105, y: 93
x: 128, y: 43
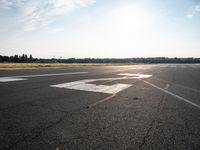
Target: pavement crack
x: 147, y: 135
x: 153, y: 124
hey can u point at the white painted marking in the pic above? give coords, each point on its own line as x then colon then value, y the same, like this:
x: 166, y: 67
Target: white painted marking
x: 167, y: 87
x: 85, y: 85
x: 19, y: 78
x: 101, y: 101
x: 48, y: 75
x: 9, y: 79
x: 136, y: 76
x: 172, y: 94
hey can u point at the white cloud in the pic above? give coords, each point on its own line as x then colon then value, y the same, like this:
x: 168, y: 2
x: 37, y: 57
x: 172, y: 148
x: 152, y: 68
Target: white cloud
x: 194, y: 11
x: 39, y: 13
x: 197, y: 8
x: 9, y: 4
x: 189, y: 15
x: 54, y: 30
x: 4, y: 4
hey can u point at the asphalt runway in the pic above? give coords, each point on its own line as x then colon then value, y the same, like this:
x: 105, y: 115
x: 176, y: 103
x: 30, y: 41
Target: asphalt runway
x: 113, y: 107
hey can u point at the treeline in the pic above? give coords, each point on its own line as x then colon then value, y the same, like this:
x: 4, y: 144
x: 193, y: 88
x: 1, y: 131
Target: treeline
x: 24, y: 58
x: 152, y: 60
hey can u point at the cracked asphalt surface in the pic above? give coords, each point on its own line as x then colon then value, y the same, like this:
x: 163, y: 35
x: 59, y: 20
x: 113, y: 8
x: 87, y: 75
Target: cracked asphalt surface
x: 35, y: 116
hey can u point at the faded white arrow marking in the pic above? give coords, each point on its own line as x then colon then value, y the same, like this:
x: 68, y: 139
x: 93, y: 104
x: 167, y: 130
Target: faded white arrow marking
x: 85, y: 85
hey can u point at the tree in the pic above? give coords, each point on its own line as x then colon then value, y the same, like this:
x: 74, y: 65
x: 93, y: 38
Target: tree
x: 16, y: 58
x: 25, y: 58
x: 30, y: 58
x: 22, y: 58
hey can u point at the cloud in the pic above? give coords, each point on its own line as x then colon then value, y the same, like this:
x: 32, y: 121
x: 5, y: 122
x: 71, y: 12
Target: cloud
x: 194, y: 11
x: 40, y: 13
x: 54, y: 30
x: 9, y: 4
x: 197, y: 8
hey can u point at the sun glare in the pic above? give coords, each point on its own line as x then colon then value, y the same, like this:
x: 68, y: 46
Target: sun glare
x: 131, y: 18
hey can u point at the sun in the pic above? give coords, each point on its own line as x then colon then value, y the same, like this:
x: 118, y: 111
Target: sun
x: 131, y: 18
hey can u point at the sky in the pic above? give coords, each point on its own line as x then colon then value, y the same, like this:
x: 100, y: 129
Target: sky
x: 100, y: 28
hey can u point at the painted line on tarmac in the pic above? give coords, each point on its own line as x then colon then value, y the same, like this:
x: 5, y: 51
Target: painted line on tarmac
x: 8, y: 79
x: 101, y: 101
x: 48, y: 75
x: 19, y: 78
x: 178, y: 85
x: 172, y: 94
